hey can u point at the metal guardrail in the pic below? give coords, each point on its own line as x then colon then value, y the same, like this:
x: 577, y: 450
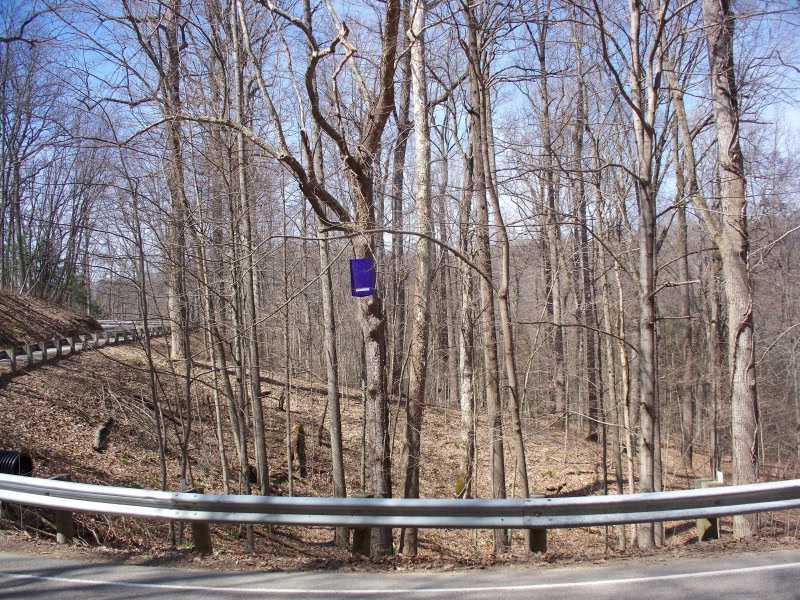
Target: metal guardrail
x: 434, y: 513
x: 113, y: 332
x: 131, y: 323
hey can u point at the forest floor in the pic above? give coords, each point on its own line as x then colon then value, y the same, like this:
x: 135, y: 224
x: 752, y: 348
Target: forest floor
x: 53, y: 412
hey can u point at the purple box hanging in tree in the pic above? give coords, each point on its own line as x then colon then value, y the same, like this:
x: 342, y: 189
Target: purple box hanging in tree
x: 362, y: 276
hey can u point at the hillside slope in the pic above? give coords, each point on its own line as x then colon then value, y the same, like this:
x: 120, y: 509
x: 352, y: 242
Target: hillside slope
x: 54, y: 411
x: 27, y: 320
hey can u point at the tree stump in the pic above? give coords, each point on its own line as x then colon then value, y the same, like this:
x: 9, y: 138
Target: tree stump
x: 299, y: 449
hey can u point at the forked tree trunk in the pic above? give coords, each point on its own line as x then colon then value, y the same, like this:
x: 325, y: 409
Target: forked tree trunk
x: 358, y: 158
x: 503, y: 301
x: 491, y: 366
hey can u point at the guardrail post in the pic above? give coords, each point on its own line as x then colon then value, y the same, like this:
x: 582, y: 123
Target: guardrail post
x: 707, y: 529
x: 57, y: 343
x: 536, y: 537
x: 65, y: 526
x: 201, y: 531
x: 29, y: 352
x: 361, y: 535
x: 12, y: 356
x: 43, y: 346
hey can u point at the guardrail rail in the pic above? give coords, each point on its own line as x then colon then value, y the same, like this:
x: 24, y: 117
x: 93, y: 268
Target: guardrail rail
x: 395, y: 512
x: 114, y: 332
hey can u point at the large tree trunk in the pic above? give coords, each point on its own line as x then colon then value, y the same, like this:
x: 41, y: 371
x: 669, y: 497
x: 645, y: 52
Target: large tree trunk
x: 373, y: 328
x: 491, y: 364
x: 733, y: 244
x: 420, y: 324
x: 643, y: 98
x: 371, y: 316
x: 647, y: 357
x: 358, y: 158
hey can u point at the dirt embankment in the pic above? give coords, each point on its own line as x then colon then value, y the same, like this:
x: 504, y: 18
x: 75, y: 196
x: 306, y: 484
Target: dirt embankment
x: 27, y: 320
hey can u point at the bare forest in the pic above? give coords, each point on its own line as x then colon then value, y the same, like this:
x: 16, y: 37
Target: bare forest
x: 580, y: 215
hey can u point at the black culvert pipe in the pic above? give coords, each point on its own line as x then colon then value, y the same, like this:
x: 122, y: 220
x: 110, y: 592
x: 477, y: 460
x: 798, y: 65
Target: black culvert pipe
x: 15, y: 463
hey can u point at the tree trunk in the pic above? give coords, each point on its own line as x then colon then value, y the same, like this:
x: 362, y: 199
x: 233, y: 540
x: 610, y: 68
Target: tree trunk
x: 420, y: 325
x: 586, y: 297
x: 476, y: 79
x: 329, y: 330
x: 509, y: 353
x: 332, y: 376
x: 686, y: 389
x: 644, y: 87
x: 358, y: 164
x: 398, y: 176
x: 733, y: 244
x: 144, y: 309
x: 466, y: 392
x: 176, y: 235
x: 553, y: 236
x: 248, y: 270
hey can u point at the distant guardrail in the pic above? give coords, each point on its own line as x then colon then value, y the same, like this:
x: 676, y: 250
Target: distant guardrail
x: 114, y: 332
x: 394, y: 512
x: 111, y: 324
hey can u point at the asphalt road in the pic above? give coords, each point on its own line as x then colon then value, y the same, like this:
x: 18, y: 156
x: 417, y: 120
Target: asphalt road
x: 765, y: 575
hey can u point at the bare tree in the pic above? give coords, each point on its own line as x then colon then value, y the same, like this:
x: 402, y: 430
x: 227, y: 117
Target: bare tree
x: 357, y: 157
x: 733, y: 242
x: 477, y: 79
x: 420, y: 319
x: 246, y: 246
x: 642, y: 94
